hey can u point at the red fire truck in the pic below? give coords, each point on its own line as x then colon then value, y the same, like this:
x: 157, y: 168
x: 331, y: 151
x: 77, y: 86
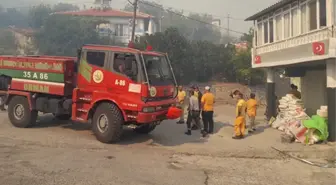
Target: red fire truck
x: 108, y: 85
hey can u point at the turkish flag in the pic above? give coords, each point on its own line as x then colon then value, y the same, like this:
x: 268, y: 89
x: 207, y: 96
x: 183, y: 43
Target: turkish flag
x: 149, y: 48
x: 318, y: 48
x: 257, y: 59
x: 131, y: 44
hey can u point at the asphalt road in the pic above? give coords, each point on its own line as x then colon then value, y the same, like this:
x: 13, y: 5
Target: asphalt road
x: 55, y: 153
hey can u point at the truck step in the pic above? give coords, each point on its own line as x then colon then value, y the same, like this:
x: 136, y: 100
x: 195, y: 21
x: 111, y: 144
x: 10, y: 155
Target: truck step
x: 79, y: 119
x: 82, y: 110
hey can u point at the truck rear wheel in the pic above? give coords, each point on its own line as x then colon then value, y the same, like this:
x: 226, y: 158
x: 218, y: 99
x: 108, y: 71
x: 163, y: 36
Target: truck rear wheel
x: 145, y: 129
x: 107, y: 123
x: 19, y: 112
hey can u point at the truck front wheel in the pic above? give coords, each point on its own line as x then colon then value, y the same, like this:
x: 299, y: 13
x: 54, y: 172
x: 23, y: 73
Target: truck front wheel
x: 145, y: 129
x: 19, y: 112
x: 107, y: 123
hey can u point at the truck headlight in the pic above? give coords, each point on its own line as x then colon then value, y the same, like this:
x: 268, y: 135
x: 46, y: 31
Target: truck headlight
x: 148, y: 109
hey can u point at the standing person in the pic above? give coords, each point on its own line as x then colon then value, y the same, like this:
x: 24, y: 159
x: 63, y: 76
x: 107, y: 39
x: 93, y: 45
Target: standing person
x: 251, y: 106
x: 181, y: 97
x: 208, y: 100
x: 198, y: 94
x: 239, y: 124
x: 193, y: 112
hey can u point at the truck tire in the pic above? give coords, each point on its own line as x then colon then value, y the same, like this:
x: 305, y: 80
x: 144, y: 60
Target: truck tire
x: 19, y: 112
x: 145, y: 129
x: 107, y: 123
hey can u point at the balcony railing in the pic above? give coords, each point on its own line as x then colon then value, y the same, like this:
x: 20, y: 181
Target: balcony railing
x: 310, y: 37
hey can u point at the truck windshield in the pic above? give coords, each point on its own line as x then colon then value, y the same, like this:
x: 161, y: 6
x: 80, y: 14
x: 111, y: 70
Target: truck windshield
x: 158, y: 70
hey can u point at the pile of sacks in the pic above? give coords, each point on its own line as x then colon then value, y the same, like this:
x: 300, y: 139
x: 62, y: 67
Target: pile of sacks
x: 290, y: 117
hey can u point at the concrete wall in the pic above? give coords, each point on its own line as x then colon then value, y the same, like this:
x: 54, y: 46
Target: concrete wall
x: 314, y: 91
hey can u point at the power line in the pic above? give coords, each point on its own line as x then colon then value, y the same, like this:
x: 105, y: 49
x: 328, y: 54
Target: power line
x: 188, y: 17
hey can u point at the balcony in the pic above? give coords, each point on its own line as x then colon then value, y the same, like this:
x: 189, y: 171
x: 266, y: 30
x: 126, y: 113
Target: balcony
x: 296, y: 49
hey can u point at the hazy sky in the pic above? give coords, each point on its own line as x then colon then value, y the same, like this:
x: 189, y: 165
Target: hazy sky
x: 238, y: 9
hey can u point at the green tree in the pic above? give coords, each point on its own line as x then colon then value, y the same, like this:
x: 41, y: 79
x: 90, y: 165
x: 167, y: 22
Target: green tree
x: 12, y: 16
x: 38, y: 15
x: 8, y: 44
x: 242, y: 63
x: 63, y: 35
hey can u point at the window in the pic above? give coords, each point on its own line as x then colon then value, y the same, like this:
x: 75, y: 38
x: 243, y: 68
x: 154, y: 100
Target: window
x: 271, y: 31
x: 255, y: 40
x: 323, y: 15
x: 312, y: 15
x: 158, y: 70
x: 265, y: 32
x: 304, y: 26
x: 278, y: 27
x: 295, y: 22
x: 95, y: 58
x: 126, y: 65
x: 286, y: 25
x: 119, y: 30
x: 334, y: 6
x: 259, y: 34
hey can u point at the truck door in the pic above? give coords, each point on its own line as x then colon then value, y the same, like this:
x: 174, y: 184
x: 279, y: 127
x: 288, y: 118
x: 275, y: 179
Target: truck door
x: 92, y: 69
x: 124, y: 73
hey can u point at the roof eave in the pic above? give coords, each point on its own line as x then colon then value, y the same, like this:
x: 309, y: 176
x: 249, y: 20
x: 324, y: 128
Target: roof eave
x: 269, y: 9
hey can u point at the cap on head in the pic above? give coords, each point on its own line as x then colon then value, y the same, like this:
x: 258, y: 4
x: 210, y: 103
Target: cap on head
x: 207, y: 88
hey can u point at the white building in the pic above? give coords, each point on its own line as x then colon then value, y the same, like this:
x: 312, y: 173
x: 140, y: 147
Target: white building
x: 300, y: 36
x: 119, y: 27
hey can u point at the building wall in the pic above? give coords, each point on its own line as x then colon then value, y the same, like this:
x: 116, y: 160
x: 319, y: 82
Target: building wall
x: 314, y: 91
x: 117, y: 22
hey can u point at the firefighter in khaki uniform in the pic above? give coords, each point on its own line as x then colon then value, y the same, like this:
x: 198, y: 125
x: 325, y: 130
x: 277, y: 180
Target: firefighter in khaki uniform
x: 198, y: 94
x: 239, y: 124
x: 181, y: 97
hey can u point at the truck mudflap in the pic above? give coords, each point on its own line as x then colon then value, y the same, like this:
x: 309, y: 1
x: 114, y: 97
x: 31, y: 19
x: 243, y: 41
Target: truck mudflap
x: 3, y: 99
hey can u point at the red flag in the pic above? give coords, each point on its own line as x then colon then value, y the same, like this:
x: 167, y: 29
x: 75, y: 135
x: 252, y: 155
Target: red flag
x: 131, y: 44
x: 149, y: 48
x: 257, y: 59
x: 318, y: 48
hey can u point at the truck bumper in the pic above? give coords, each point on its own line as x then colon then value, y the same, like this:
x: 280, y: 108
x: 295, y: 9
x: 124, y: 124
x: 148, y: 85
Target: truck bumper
x: 151, y: 117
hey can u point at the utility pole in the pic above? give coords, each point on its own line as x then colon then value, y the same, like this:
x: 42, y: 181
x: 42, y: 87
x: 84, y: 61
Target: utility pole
x: 135, y: 6
x: 228, y: 26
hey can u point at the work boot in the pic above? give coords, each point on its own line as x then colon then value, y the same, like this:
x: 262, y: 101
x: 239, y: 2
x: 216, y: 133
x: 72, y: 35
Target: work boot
x: 188, y: 132
x: 180, y: 122
x: 194, y: 127
x: 237, y: 137
x: 204, y: 133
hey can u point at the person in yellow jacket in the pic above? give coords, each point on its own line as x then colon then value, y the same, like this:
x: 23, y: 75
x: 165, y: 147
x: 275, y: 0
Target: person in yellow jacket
x: 251, y: 106
x: 208, y: 101
x: 181, y: 103
x: 239, y: 124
